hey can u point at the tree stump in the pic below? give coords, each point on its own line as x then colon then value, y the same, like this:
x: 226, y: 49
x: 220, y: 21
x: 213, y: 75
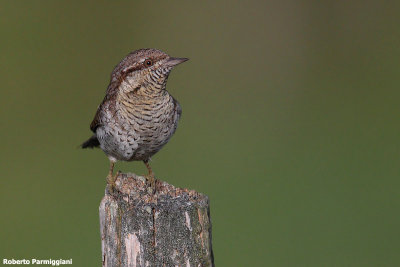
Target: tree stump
x: 169, y: 228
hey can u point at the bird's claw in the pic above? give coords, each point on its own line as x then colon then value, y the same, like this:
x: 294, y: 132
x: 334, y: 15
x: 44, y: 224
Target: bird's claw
x: 111, y: 180
x: 152, y: 183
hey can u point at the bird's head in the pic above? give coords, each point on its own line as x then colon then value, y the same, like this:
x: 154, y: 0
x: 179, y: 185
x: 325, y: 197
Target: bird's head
x: 145, y: 68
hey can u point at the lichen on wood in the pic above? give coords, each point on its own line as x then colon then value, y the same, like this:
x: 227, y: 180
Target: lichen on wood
x: 171, y: 227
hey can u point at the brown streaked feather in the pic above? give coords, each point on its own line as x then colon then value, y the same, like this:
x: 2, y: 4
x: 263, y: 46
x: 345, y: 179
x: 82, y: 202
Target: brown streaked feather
x: 117, y: 77
x: 109, y: 97
x: 96, y: 121
x: 129, y: 64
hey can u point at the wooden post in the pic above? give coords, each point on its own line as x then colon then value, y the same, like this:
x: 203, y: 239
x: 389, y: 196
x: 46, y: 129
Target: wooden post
x: 170, y: 228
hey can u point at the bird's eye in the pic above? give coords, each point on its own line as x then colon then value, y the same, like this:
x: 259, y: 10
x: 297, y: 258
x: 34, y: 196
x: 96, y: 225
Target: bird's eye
x: 148, y: 62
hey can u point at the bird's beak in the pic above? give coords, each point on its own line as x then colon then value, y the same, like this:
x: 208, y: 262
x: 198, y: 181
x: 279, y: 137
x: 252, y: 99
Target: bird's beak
x: 173, y: 61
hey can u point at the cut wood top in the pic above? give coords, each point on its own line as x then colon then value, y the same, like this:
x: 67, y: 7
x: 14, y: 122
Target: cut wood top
x: 133, y: 188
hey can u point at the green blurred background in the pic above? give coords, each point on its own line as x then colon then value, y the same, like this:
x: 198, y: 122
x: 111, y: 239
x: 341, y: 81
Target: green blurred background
x: 290, y: 125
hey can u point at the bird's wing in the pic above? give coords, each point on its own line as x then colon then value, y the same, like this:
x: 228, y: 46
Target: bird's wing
x: 110, y: 96
x: 96, y: 121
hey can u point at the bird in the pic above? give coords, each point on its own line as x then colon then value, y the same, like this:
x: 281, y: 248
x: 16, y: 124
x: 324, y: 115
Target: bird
x: 137, y: 116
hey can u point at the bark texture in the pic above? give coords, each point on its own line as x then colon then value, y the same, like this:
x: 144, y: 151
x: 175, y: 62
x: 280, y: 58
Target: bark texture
x: 170, y: 228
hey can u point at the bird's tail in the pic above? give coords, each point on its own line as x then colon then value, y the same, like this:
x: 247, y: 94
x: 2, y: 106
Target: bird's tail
x: 92, y: 142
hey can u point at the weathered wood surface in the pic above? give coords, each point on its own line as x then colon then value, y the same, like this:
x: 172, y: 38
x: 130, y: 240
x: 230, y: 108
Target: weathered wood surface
x: 170, y: 228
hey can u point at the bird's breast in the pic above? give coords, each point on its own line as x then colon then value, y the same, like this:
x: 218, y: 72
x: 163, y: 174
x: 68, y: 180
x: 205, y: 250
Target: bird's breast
x: 141, y: 126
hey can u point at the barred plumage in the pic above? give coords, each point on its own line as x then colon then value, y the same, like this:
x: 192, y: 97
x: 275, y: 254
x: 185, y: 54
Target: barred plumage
x: 137, y: 116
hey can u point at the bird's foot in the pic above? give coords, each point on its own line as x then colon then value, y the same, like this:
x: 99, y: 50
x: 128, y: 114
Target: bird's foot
x: 111, y: 180
x: 152, y: 183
